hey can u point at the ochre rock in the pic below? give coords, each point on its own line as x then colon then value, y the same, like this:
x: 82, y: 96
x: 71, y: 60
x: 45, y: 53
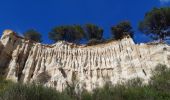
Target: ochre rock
x: 63, y: 64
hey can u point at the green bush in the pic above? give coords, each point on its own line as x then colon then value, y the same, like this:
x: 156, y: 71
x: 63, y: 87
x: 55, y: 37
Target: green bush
x: 31, y: 92
x: 158, y: 88
x: 4, y: 84
x: 161, y: 78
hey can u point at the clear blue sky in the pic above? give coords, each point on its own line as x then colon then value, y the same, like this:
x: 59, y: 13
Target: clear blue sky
x: 43, y: 15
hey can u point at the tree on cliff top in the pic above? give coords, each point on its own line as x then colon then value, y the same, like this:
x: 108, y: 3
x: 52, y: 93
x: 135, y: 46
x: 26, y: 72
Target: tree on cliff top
x: 121, y: 30
x: 156, y: 23
x: 34, y: 35
x: 70, y: 33
x: 93, y: 32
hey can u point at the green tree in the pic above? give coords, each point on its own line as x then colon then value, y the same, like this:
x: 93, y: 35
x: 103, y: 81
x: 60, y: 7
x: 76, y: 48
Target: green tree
x: 70, y: 33
x: 93, y: 32
x: 34, y: 35
x: 121, y: 30
x: 156, y: 23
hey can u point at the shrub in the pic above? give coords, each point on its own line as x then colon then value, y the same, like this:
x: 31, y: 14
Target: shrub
x: 33, y: 35
x: 4, y: 84
x: 31, y: 92
x: 157, y: 89
x: 136, y: 82
x: 161, y: 79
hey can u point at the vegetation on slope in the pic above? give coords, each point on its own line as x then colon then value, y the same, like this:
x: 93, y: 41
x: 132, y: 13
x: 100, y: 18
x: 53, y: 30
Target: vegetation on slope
x: 158, y: 88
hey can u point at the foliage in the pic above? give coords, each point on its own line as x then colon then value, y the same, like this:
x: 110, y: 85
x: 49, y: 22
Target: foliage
x: 70, y: 33
x: 156, y: 23
x: 136, y: 82
x: 32, y: 92
x: 32, y: 34
x: 74, y: 33
x: 4, y: 84
x: 93, y: 32
x: 161, y: 79
x: 121, y: 30
x: 158, y: 88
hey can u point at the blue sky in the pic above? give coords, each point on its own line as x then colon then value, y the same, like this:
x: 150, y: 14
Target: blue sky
x: 43, y: 15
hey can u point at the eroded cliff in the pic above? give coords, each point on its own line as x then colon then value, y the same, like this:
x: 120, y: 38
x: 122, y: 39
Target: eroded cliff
x: 62, y: 64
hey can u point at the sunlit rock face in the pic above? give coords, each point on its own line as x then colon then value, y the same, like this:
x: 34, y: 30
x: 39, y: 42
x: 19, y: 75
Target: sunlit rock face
x: 62, y: 64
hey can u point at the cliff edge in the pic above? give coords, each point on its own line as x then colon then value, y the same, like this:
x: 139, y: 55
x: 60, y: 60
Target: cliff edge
x: 61, y: 64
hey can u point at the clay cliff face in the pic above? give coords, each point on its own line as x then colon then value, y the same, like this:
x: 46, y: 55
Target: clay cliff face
x: 63, y: 64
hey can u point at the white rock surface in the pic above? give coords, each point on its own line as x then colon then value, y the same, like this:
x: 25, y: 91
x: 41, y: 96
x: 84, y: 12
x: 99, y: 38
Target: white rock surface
x: 87, y: 67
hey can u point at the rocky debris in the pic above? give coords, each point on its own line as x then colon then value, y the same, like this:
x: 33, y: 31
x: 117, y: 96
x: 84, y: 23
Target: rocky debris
x: 87, y: 67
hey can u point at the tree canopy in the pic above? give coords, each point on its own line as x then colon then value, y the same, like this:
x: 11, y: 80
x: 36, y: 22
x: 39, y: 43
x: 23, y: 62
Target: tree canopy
x: 121, y: 30
x: 70, y: 33
x: 93, y: 32
x: 32, y: 34
x: 156, y: 23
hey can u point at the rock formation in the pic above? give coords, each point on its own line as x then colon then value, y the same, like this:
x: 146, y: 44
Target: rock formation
x: 63, y: 64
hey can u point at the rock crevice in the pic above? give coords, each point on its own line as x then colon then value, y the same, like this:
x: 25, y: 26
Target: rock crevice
x: 86, y: 66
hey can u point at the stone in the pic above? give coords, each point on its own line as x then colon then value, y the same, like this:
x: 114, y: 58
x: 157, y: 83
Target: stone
x: 1, y: 46
x: 87, y: 67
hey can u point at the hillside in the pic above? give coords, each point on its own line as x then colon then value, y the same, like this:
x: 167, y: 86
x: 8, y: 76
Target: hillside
x: 61, y: 64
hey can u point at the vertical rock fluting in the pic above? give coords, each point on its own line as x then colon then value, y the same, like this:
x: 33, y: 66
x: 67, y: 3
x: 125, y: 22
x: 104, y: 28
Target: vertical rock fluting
x: 63, y: 64
x: 1, y: 46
